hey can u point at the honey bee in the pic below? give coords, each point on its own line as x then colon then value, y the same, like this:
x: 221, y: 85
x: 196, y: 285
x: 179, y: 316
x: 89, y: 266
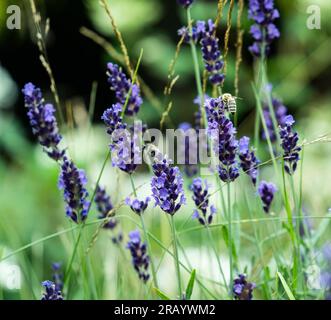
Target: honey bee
x: 229, y: 102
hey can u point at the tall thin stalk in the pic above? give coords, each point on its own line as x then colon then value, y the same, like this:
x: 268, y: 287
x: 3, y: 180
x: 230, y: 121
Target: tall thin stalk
x: 143, y: 226
x: 230, y: 234
x: 173, y: 229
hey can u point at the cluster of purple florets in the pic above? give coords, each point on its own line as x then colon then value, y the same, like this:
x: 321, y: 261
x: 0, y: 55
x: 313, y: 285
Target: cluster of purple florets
x: 203, y: 212
x: 263, y: 31
x: 140, y: 258
x: 205, y: 33
x: 127, y: 94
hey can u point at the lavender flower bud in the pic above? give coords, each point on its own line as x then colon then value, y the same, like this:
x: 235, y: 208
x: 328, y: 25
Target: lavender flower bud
x: 248, y: 160
x: 242, y: 289
x: 201, y: 200
x: 137, y: 206
x: 167, y: 185
x: 121, y: 86
x: 211, y: 54
x: 50, y: 291
x: 72, y: 181
x: 290, y: 145
x: 263, y: 31
x: 223, y: 136
x: 43, y: 121
x: 140, y: 259
x: 266, y: 191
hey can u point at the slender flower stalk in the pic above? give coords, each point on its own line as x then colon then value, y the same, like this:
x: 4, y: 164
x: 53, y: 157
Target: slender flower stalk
x: 196, y: 65
x: 142, y: 221
x: 205, y: 213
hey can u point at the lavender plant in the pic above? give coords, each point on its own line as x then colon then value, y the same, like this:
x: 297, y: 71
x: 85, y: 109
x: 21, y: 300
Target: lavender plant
x: 168, y: 189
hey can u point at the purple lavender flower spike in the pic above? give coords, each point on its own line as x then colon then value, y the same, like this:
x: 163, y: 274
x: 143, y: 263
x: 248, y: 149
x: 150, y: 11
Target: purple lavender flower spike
x: 201, y: 200
x: 198, y: 30
x: 242, y: 289
x: 289, y: 144
x: 211, y: 54
x: 188, y: 149
x: 167, y: 185
x: 126, y: 150
x: 140, y: 258
x: 138, y: 206
x: 43, y: 121
x: 113, y: 119
x: 266, y: 191
x: 50, y: 291
x: 264, y: 31
x: 121, y: 86
x: 73, y: 181
x: 57, y: 276
x: 223, y: 136
x: 280, y: 113
x: 248, y: 160
x: 185, y: 3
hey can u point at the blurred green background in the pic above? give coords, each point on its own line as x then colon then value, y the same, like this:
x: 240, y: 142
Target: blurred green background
x: 31, y: 205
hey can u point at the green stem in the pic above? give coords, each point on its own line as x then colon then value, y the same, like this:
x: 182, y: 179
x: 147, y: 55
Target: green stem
x: 196, y: 69
x: 230, y: 234
x: 212, y: 244
x: 143, y: 226
x: 173, y: 229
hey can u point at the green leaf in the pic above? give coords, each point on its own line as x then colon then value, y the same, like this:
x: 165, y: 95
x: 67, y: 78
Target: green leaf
x: 189, y: 288
x: 161, y: 295
x: 286, y: 287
